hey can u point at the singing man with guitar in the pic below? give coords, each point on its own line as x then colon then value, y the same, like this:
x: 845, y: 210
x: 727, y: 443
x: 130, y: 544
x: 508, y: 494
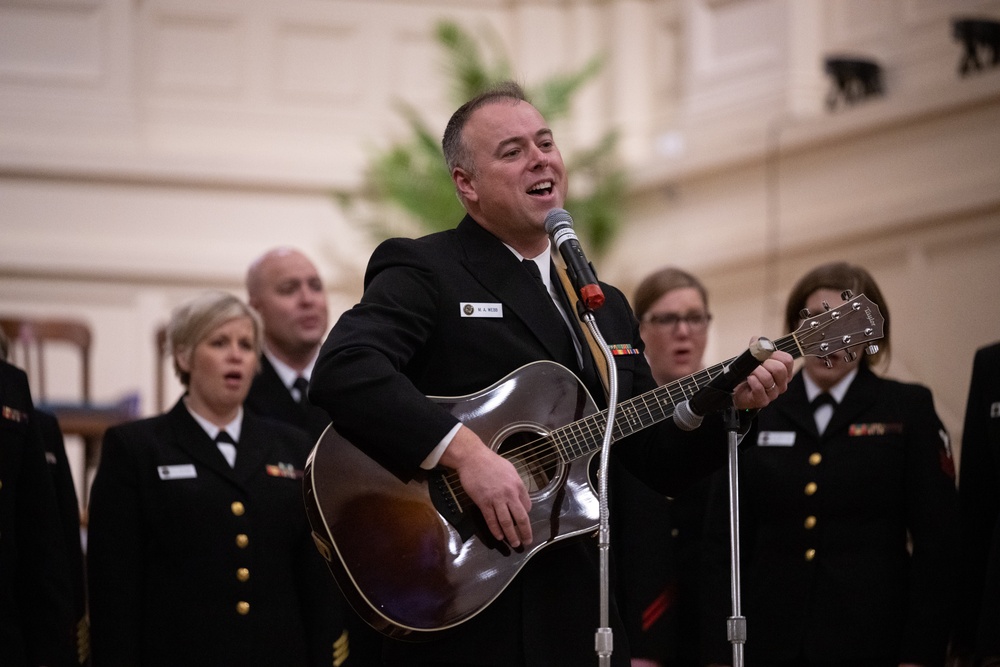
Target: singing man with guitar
x: 488, y: 581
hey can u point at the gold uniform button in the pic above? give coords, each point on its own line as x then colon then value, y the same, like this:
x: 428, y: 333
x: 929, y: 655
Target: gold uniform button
x: 810, y: 522
x: 810, y: 554
x: 815, y: 458
x: 242, y: 608
x: 238, y: 508
x: 811, y: 488
x: 242, y: 541
x: 243, y: 574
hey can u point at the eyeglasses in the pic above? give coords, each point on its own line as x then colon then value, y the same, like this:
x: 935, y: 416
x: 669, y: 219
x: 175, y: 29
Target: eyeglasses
x: 697, y: 322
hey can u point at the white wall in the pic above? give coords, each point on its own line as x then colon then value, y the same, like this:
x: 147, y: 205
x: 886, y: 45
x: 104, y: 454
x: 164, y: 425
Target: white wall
x: 150, y: 150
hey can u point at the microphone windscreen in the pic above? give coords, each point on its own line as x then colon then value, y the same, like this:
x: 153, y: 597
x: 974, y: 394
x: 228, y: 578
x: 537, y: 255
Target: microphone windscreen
x: 685, y: 418
x: 555, y: 218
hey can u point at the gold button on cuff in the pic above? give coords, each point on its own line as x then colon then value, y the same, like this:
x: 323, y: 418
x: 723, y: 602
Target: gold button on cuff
x: 242, y: 541
x: 810, y: 554
x: 238, y: 508
x: 811, y: 488
x: 243, y: 574
x: 810, y: 522
x: 815, y: 458
x: 242, y: 608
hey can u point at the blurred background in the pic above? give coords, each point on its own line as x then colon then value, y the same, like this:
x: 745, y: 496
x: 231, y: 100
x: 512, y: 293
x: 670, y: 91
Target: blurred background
x: 150, y: 149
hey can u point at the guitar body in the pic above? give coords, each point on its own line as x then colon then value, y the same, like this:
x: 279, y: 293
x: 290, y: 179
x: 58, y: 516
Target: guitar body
x: 408, y: 554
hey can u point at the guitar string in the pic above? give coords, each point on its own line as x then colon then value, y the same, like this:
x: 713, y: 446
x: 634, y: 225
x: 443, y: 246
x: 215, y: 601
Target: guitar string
x: 539, y: 454
x: 587, y: 431
x: 628, y: 414
x: 527, y: 462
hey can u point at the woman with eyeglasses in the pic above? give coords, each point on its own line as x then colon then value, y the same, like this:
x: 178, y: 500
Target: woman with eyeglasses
x: 659, y: 567
x: 672, y: 307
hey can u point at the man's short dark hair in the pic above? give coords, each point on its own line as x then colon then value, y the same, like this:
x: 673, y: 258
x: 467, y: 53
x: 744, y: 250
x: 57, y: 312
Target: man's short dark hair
x: 455, y: 152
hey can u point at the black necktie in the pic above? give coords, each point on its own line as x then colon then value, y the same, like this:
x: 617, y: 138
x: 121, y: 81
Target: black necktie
x: 579, y: 351
x: 532, y: 268
x: 301, y: 385
x: 227, y: 446
x: 816, y: 404
x: 823, y: 399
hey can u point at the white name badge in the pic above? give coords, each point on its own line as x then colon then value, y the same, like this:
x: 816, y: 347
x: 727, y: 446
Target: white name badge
x: 776, y: 438
x: 468, y: 309
x: 183, y: 471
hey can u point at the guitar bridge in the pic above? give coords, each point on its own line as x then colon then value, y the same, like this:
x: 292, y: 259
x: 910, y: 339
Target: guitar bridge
x: 446, y: 502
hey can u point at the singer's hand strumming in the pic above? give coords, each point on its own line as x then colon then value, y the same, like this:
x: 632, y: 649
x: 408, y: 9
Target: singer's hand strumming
x: 494, y: 486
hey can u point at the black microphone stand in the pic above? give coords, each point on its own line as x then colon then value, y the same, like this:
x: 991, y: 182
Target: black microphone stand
x: 603, y: 639
x: 736, y: 625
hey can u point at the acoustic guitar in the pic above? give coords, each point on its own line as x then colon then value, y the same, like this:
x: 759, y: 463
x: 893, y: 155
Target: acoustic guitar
x: 410, y: 550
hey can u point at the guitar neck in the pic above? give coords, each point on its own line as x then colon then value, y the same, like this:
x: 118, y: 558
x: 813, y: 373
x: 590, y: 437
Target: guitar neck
x: 582, y: 437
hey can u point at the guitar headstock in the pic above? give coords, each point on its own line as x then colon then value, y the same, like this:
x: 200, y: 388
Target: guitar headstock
x: 857, y: 321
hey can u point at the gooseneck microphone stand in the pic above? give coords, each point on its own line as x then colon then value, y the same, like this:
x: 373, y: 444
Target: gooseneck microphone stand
x: 736, y: 625
x: 603, y: 639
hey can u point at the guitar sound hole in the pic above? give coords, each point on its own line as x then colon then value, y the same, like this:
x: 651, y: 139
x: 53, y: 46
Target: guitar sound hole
x: 533, y: 456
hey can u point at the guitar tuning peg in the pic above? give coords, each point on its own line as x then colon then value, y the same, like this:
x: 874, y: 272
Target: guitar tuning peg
x: 826, y: 306
x: 804, y: 313
x: 847, y: 295
x: 827, y: 362
x: 850, y: 356
x: 872, y: 349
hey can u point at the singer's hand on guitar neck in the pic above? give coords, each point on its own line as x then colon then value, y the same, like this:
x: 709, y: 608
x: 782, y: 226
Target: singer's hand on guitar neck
x: 766, y: 383
x: 493, y: 485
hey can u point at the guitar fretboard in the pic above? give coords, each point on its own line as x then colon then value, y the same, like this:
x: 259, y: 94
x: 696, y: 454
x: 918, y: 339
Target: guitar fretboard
x: 855, y: 322
x: 582, y: 437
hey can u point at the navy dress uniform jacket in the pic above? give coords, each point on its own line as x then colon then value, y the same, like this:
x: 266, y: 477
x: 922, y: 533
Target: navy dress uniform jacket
x: 825, y: 522
x: 269, y: 397
x: 37, y: 625
x: 978, y: 629
x: 192, y: 562
x: 69, y: 516
x: 408, y: 338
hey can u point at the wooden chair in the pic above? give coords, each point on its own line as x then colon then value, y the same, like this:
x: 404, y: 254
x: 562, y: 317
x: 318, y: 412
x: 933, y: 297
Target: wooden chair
x: 30, y: 341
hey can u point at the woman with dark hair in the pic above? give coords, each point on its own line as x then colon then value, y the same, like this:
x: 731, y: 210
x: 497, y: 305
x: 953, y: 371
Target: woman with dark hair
x: 672, y: 308
x: 199, y: 550
x: 658, y: 539
x: 848, y: 513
